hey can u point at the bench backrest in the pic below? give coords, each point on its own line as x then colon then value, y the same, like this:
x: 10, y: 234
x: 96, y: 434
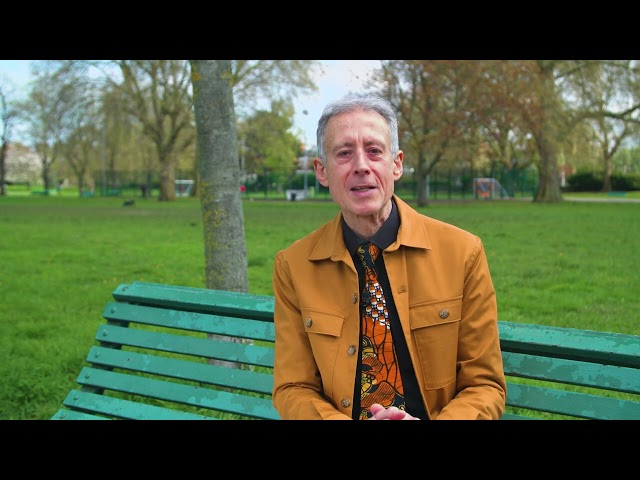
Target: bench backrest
x: 165, y: 352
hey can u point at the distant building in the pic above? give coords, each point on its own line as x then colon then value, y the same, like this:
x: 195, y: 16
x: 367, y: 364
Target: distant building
x: 22, y: 165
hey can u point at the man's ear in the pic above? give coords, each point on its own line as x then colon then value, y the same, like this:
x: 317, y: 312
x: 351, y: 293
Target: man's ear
x: 321, y: 173
x: 397, y: 166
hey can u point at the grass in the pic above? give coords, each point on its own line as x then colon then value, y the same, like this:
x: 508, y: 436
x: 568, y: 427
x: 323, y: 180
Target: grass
x: 570, y: 264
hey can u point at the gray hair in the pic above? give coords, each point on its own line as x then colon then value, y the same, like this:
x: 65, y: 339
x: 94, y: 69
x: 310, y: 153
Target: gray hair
x: 353, y: 102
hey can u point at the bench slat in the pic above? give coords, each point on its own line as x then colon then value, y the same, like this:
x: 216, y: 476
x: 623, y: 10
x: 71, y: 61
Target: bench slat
x: 192, y: 395
x: 570, y: 343
x: 235, y: 304
x: 574, y: 404
x: 235, y: 378
x: 513, y: 416
x: 182, y: 344
x: 123, y: 409
x: 67, y: 414
x: 190, y: 321
x: 572, y: 372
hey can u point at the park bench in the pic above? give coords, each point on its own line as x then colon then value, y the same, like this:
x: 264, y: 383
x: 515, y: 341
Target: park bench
x: 617, y: 194
x: 174, y: 352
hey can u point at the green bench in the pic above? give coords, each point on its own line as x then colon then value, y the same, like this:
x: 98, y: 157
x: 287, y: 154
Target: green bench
x: 171, y: 352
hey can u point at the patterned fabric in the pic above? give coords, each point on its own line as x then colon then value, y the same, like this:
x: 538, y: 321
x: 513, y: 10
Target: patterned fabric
x: 381, y: 380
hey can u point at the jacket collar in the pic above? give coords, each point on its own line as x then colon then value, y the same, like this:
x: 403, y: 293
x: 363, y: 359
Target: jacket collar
x: 412, y: 233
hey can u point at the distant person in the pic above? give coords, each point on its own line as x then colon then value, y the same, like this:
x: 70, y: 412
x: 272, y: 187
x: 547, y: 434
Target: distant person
x: 143, y: 190
x: 409, y: 333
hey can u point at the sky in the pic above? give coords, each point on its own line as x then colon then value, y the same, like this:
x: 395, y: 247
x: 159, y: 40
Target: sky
x: 339, y: 78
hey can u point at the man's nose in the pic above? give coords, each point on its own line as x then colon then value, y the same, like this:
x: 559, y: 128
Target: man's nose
x: 360, y: 161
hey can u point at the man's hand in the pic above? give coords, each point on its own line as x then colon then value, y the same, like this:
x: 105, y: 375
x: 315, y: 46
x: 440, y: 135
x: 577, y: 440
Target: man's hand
x: 392, y: 413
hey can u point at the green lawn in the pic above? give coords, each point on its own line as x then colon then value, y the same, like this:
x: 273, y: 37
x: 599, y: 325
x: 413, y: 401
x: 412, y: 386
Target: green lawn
x: 569, y: 264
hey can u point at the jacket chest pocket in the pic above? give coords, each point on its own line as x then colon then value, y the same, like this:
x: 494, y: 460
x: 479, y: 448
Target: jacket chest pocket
x: 434, y: 329
x: 325, y: 333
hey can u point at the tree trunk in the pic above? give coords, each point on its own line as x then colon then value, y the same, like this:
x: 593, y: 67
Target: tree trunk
x: 547, y: 138
x: 219, y: 179
x: 167, y: 180
x: 46, y: 175
x: 606, y: 182
x: 421, y: 182
x: 3, y: 171
x: 548, y: 175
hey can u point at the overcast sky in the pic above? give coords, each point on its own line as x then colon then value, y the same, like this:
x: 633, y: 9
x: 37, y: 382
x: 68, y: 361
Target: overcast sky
x: 339, y: 78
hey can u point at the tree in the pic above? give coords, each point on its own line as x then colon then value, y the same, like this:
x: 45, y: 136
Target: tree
x: 7, y: 117
x: 80, y: 150
x: 219, y: 170
x: 604, y: 87
x: 158, y: 96
x: 253, y: 80
x: 268, y: 145
x: 219, y: 174
x: 432, y: 99
x: 56, y: 102
x: 452, y: 110
x: 558, y: 108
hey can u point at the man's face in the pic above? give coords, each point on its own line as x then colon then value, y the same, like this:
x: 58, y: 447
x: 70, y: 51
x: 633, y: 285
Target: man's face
x: 359, y: 170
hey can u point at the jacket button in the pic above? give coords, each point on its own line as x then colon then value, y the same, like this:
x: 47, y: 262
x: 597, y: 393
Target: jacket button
x: 345, y: 402
x: 308, y: 322
x: 355, y: 298
x: 351, y: 350
x: 444, y: 313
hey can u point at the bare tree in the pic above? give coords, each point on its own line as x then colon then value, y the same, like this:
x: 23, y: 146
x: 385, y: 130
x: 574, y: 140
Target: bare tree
x: 55, y: 103
x: 81, y: 149
x: 159, y: 97
x: 605, y: 87
x: 270, y: 79
x: 432, y: 98
x: 444, y: 105
x: 7, y: 117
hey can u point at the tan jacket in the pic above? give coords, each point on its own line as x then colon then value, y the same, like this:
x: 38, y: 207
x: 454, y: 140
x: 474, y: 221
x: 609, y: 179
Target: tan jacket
x: 447, y: 306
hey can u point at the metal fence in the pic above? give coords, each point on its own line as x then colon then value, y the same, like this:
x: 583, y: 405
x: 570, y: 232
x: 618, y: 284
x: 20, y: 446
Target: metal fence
x: 442, y: 184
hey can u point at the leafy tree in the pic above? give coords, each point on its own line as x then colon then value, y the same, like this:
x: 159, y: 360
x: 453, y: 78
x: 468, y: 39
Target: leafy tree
x: 267, y: 143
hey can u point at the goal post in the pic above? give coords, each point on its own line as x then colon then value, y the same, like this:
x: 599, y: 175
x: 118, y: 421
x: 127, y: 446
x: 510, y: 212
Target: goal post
x: 184, y: 187
x: 488, y: 188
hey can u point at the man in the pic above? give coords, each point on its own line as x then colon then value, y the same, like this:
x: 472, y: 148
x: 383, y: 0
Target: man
x: 408, y: 333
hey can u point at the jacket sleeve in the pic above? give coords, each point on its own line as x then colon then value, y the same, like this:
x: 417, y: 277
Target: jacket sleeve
x: 297, y: 388
x: 480, y: 384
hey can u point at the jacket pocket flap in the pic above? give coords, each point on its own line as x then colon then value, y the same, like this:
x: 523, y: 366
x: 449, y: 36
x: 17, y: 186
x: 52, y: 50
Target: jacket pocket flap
x: 322, y: 323
x: 436, y: 313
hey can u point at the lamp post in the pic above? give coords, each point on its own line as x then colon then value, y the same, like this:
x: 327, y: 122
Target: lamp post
x: 306, y: 162
x: 306, y: 171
